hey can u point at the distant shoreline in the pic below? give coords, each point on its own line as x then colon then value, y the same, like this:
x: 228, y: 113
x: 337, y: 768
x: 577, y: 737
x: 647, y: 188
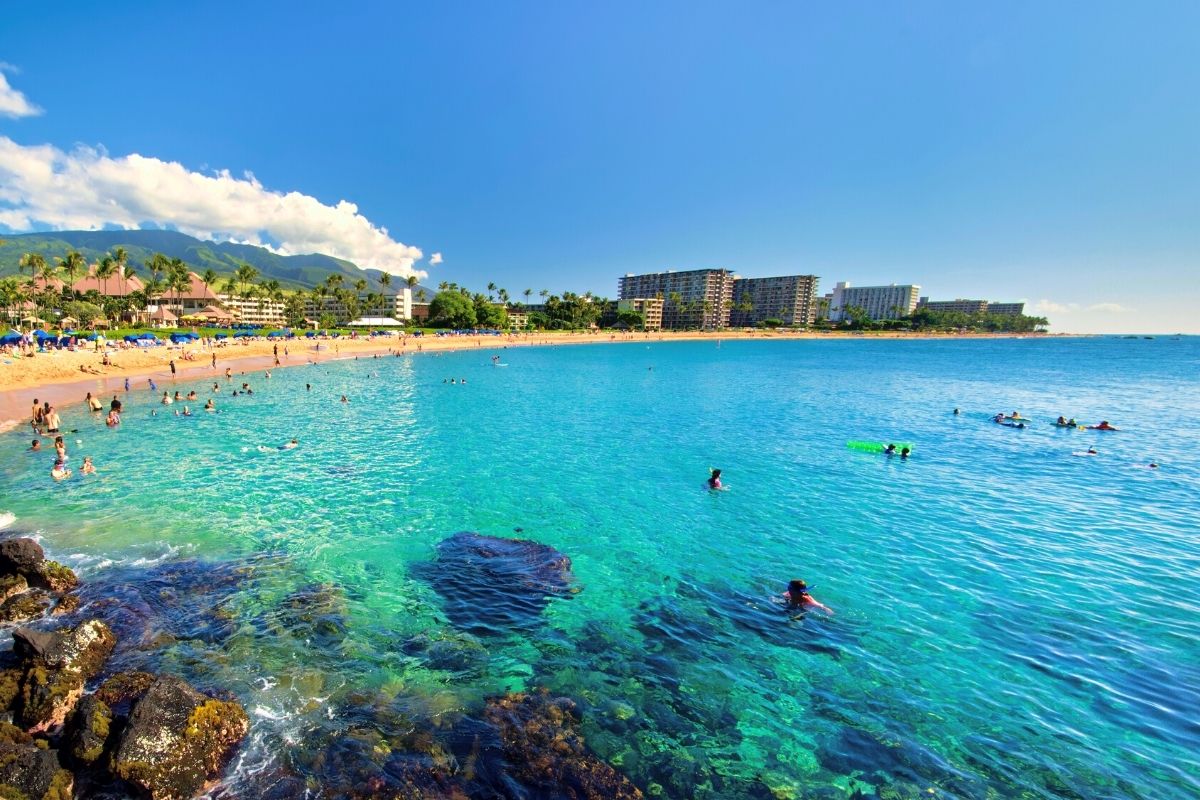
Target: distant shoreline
x: 56, y: 377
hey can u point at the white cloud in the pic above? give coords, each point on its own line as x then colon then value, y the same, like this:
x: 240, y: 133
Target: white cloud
x: 1051, y: 307
x: 1111, y: 308
x: 435, y: 259
x: 12, y: 102
x: 88, y: 189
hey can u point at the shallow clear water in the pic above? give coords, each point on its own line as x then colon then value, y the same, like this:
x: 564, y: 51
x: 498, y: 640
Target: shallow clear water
x: 1011, y: 620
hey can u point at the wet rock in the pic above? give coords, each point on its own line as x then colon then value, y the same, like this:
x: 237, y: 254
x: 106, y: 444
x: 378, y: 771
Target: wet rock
x: 10, y: 687
x: 53, y: 576
x: 177, y: 740
x: 56, y: 667
x: 25, y: 607
x: 122, y: 690
x: 67, y: 604
x: 90, y: 730
x: 491, y: 585
x: 315, y: 613
x: 20, y: 555
x: 453, y: 652
x: 28, y: 771
x: 11, y: 585
x: 542, y: 743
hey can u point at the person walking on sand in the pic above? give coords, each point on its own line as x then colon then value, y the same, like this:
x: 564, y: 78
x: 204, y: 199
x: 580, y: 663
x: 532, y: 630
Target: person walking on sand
x: 214, y: 360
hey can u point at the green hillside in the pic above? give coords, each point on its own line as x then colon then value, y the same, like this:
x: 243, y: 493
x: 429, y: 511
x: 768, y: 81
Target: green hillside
x: 222, y: 257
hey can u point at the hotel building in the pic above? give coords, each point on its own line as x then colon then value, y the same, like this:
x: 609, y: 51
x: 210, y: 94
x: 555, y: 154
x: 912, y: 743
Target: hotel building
x: 791, y: 299
x: 651, y: 309
x: 698, y: 298
x: 878, y: 302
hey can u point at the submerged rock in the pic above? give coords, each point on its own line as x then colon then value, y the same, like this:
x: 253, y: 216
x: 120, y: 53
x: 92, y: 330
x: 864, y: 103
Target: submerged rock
x: 489, y: 584
x: 542, y: 743
x: 315, y: 613
x: 177, y: 740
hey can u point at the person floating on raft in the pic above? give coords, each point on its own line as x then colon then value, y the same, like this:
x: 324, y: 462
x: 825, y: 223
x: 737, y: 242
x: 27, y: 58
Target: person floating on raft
x: 1103, y: 426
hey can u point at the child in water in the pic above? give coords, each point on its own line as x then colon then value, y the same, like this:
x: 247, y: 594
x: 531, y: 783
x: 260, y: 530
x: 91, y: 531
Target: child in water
x: 714, y: 479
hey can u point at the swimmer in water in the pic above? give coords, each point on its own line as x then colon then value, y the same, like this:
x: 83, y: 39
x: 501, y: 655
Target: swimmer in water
x: 60, y: 470
x: 36, y: 446
x: 345, y: 399
x: 1103, y: 426
x: 714, y: 479
x: 904, y: 451
x: 890, y: 450
x: 1152, y: 465
x: 88, y: 467
x: 957, y: 412
x: 797, y: 596
x: 210, y: 405
x: 290, y: 445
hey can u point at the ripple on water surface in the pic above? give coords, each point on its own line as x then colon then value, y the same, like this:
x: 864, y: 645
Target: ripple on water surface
x: 1010, y: 620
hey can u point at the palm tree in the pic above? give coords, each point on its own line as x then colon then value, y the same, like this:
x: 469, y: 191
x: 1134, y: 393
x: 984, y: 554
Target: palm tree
x: 385, y: 280
x: 411, y: 280
x: 421, y: 296
x: 544, y: 294
x: 527, y: 293
x: 360, y: 285
x: 71, y: 265
x: 121, y: 259
x: 443, y: 286
x: 245, y: 275
x: 105, y: 270
x: 208, y: 279
x: 35, y: 263
x: 491, y: 289
x: 180, y: 280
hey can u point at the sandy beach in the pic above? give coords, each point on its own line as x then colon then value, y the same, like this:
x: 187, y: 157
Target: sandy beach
x: 56, y: 377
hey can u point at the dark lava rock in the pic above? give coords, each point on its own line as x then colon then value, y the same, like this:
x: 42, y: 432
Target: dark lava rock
x: 453, y: 652
x: 177, y: 740
x: 315, y: 613
x: 53, y: 576
x: 545, y: 750
x: 56, y: 667
x: 122, y: 690
x: 25, y: 607
x: 28, y: 771
x: 491, y: 585
x: 90, y: 730
x: 11, y: 585
x: 20, y: 555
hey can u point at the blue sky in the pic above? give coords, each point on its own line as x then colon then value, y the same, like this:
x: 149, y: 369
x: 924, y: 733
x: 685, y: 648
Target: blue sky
x: 1047, y: 152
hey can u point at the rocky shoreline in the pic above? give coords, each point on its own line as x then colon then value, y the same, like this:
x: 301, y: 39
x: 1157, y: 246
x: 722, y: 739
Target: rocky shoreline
x: 74, y: 723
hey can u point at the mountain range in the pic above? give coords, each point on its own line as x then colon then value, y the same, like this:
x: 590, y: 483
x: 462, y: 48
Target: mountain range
x: 292, y: 272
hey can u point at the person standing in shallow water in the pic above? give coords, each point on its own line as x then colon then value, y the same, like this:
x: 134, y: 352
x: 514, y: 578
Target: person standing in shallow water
x: 797, y: 597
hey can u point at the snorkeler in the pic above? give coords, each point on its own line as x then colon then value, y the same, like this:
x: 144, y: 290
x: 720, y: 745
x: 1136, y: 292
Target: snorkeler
x: 798, y: 597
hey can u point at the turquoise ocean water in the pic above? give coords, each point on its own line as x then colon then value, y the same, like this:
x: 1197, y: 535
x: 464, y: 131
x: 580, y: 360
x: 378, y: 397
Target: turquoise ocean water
x: 1011, y: 620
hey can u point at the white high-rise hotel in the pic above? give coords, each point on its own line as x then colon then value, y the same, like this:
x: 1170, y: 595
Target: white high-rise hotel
x: 879, y: 302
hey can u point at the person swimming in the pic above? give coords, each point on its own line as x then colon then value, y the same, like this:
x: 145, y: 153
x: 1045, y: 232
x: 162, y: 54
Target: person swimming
x: 1103, y: 426
x: 714, y: 479
x: 36, y: 446
x: 166, y: 399
x: 294, y: 443
x: 210, y: 405
x: 60, y: 470
x: 88, y: 467
x: 797, y: 596
x: 890, y: 450
x: 904, y: 451
x: 1061, y: 421
x: 114, y: 418
x: 957, y: 412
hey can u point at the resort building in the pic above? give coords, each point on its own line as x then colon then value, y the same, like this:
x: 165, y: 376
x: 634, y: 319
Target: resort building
x: 791, y: 299
x: 254, y: 310
x: 961, y: 306
x: 877, y: 302
x: 398, y: 306
x: 698, y: 298
x: 972, y: 306
x: 517, y: 320
x: 651, y: 309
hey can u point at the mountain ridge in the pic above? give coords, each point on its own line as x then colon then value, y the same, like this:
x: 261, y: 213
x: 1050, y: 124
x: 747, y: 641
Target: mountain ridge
x: 296, y: 271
